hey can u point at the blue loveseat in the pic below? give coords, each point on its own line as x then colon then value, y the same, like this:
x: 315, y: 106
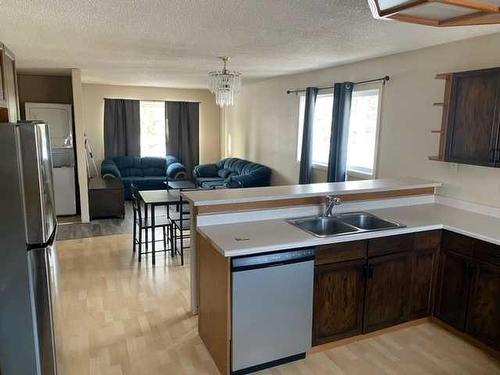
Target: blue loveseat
x: 147, y: 173
x: 232, y: 173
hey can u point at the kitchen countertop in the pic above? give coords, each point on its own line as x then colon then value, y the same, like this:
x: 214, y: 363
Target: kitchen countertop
x: 270, y: 193
x: 255, y: 237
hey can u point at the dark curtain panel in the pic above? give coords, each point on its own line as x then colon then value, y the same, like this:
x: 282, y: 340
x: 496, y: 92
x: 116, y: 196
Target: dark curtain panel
x: 183, y: 129
x: 337, y: 162
x: 305, y: 176
x: 122, y: 128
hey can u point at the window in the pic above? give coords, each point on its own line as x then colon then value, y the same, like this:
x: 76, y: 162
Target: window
x: 321, y: 128
x: 363, y: 126
x: 361, y: 149
x: 153, y: 141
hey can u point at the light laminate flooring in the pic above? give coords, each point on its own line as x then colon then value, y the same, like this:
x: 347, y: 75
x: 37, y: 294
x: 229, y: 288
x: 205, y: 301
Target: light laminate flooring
x: 115, y: 316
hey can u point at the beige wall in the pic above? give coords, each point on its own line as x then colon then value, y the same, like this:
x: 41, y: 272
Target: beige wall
x: 81, y: 160
x: 263, y: 125
x: 93, y: 103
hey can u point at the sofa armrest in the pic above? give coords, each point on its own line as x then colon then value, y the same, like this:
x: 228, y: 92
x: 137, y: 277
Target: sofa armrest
x: 176, y: 170
x: 206, y: 170
x: 108, y: 167
x: 259, y: 177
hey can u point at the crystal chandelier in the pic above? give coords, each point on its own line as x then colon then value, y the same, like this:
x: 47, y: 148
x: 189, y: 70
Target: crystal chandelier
x: 224, y: 84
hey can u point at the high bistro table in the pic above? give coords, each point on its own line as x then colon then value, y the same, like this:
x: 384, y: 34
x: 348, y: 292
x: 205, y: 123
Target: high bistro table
x: 153, y: 199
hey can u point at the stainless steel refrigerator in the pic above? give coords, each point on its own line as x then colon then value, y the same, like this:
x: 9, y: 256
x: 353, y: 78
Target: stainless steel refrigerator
x: 27, y: 231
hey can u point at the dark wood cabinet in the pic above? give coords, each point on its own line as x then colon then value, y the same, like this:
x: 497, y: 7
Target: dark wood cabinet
x: 423, y: 274
x: 453, y: 288
x: 421, y: 284
x: 387, y: 291
x: 9, y: 102
x: 363, y: 286
x: 3, y: 101
x: 338, y: 300
x: 468, y: 296
x: 106, y: 198
x: 390, y: 245
x: 483, y: 313
x: 473, y: 117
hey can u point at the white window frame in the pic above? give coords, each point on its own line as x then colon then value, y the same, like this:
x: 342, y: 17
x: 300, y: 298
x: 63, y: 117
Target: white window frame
x: 356, y: 173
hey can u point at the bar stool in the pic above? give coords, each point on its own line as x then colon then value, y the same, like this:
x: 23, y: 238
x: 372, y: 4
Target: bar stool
x: 181, y: 223
x: 142, y: 224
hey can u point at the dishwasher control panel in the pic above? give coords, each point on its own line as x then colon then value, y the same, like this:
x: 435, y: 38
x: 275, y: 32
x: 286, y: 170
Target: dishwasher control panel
x: 272, y: 259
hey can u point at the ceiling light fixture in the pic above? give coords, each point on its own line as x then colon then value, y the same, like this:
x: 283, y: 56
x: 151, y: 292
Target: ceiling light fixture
x: 224, y: 84
x: 439, y: 13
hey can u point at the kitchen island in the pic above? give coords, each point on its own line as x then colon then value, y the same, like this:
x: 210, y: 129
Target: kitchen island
x: 407, y: 263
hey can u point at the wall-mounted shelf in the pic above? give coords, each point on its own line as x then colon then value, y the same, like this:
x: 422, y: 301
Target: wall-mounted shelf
x: 444, y: 118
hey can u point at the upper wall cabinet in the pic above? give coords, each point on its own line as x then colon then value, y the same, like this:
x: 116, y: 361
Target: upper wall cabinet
x: 471, y: 119
x: 9, y: 105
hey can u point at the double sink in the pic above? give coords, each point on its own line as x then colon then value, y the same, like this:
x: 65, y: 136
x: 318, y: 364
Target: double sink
x: 342, y: 224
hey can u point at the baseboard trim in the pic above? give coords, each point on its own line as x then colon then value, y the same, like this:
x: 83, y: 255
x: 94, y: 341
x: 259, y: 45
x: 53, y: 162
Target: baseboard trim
x: 469, y: 339
x: 349, y: 340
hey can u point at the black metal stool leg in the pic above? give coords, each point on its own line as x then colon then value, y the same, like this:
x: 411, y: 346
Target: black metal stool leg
x: 140, y: 243
x: 164, y: 239
x: 171, y: 239
x: 146, y: 229
x: 135, y: 233
x: 182, y: 247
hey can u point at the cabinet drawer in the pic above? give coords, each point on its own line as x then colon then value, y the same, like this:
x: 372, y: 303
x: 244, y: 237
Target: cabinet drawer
x: 427, y: 240
x: 341, y: 252
x: 390, y: 245
x: 487, y: 252
x: 458, y: 243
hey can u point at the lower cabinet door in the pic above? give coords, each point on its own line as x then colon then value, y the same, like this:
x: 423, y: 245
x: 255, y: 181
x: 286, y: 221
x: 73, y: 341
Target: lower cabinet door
x: 421, y: 284
x: 387, y: 291
x: 453, y: 289
x: 483, y: 315
x: 338, y: 301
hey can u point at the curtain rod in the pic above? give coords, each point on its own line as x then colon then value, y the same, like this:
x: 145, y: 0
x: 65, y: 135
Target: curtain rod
x: 382, y: 79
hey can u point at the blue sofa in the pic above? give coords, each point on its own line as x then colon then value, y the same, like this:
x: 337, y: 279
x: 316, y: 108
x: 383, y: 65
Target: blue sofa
x: 147, y: 173
x: 232, y: 173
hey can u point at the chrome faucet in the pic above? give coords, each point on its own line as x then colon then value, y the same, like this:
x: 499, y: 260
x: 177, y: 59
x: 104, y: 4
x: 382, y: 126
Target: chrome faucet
x: 331, y: 202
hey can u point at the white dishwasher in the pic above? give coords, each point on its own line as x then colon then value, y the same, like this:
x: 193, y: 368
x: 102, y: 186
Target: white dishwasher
x: 272, y: 301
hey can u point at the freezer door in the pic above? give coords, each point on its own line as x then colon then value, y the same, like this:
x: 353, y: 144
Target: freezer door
x: 38, y: 188
x: 40, y: 261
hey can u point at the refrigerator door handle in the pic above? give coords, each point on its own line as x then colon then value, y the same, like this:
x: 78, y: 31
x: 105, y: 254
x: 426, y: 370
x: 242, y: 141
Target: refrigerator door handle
x: 37, y: 181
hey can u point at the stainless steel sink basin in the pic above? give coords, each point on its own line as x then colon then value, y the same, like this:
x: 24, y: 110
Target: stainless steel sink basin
x: 348, y: 223
x: 366, y: 221
x: 323, y: 226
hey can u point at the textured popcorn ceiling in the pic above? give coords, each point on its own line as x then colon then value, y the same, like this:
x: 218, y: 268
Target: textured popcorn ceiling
x: 175, y: 42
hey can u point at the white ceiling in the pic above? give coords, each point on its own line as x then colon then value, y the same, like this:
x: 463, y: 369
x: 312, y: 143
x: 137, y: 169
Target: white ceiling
x: 174, y: 43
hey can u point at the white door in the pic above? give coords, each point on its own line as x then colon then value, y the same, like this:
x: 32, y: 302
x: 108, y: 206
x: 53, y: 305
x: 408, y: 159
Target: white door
x: 60, y: 121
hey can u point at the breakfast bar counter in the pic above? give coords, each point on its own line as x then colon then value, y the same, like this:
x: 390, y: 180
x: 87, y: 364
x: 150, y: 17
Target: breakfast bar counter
x: 256, y: 237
